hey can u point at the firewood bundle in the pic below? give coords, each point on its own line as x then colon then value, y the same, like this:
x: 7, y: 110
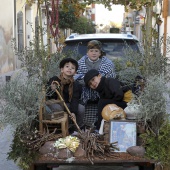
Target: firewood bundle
x: 34, y: 140
x: 95, y: 145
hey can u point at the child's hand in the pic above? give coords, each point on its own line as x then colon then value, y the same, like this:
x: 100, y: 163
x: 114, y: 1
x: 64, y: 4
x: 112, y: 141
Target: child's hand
x: 72, y: 116
x: 53, y: 86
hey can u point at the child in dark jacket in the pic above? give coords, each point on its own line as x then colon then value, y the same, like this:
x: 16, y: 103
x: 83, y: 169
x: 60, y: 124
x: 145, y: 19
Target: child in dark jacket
x: 94, y: 59
x: 70, y: 90
x: 109, y: 89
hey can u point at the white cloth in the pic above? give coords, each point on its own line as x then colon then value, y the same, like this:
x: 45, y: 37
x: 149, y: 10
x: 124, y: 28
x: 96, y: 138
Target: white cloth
x: 101, y: 127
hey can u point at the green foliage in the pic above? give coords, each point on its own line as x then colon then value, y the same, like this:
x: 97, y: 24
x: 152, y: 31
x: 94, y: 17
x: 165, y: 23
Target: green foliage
x: 153, y: 102
x: 53, y: 67
x: 148, y: 63
x: 67, y: 18
x: 154, y: 63
x: 23, y: 95
x: 153, y: 67
x: 157, y: 146
x: 107, y: 3
x: 133, y: 3
x: 20, y: 153
x: 129, y: 66
x: 21, y: 101
x: 34, y: 59
x: 78, y: 6
x: 83, y: 26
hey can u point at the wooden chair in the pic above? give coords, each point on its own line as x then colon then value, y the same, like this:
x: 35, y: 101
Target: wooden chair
x: 57, y: 118
x: 62, y: 121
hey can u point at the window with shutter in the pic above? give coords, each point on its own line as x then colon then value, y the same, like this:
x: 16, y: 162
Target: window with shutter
x: 20, y: 30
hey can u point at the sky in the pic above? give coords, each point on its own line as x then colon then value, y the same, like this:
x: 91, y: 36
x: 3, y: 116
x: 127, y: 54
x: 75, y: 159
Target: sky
x: 103, y: 15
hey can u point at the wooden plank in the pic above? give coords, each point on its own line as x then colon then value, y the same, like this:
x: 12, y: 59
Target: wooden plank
x: 141, y: 164
x: 118, y: 159
x: 165, y: 15
x: 165, y: 9
x: 40, y: 119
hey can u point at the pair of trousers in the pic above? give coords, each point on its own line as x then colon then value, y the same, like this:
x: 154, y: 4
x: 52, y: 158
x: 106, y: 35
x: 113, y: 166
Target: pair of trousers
x: 57, y: 107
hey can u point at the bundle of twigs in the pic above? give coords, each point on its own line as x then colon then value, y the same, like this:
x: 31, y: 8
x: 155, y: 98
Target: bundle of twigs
x: 35, y: 140
x: 95, y: 146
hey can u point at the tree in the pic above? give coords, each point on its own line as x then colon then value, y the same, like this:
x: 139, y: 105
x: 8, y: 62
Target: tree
x: 67, y: 18
x: 80, y: 6
x: 108, y: 3
x: 83, y: 25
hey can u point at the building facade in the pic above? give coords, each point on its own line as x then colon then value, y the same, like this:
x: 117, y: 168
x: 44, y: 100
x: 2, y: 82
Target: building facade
x: 17, y: 27
x: 134, y: 20
x: 7, y: 22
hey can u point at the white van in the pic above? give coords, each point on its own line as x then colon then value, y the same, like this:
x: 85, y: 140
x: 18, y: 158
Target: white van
x: 112, y: 44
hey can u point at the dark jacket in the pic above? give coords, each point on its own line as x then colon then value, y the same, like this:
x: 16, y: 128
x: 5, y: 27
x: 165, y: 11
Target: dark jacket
x: 75, y: 97
x: 110, y: 88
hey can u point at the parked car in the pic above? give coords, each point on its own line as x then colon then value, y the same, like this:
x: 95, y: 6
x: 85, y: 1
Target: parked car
x: 113, y: 44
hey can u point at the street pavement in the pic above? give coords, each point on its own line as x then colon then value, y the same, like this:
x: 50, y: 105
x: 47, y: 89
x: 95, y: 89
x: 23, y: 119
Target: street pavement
x: 6, y: 138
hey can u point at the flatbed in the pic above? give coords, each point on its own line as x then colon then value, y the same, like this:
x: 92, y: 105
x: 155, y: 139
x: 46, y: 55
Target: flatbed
x: 120, y: 159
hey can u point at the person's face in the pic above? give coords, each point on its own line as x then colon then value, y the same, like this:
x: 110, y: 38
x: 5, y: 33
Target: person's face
x: 94, y: 82
x: 68, y: 70
x: 94, y: 54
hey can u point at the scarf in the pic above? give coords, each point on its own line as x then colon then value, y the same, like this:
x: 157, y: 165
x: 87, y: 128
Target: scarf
x: 70, y: 88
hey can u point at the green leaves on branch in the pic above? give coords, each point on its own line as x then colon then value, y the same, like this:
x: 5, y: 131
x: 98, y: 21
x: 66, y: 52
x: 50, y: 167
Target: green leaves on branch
x: 158, y: 147
x: 21, y: 100
x: 134, y: 4
x: 67, y: 18
x: 83, y: 26
x: 20, y: 154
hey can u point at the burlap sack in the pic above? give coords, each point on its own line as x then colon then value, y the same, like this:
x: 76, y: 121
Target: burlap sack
x: 112, y: 111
